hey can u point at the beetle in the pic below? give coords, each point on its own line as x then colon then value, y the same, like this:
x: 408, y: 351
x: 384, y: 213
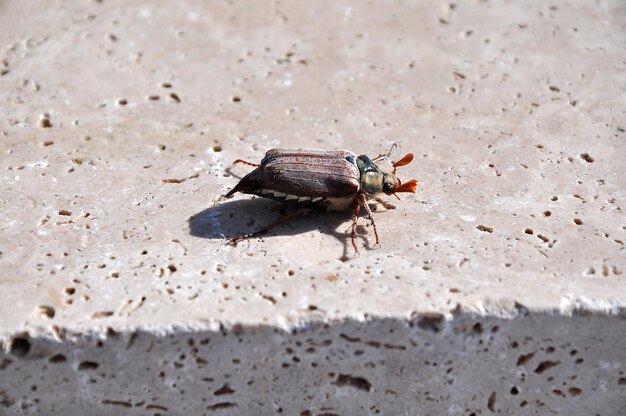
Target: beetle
x: 329, y: 180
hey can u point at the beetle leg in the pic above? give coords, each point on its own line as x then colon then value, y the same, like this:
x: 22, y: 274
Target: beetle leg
x: 256, y: 165
x: 363, y: 202
x: 384, y: 203
x: 263, y: 230
x: 357, y: 206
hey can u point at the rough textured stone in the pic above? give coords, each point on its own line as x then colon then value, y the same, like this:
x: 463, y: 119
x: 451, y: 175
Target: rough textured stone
x: 529, y: 365
x: 120, y: 120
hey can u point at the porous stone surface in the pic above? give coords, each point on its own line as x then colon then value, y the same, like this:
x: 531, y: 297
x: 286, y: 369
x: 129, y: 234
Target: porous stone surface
x: 531, y: 365
x: 118, y: 127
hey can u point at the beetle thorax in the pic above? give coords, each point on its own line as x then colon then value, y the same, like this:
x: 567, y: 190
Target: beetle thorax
x: 372, y: 182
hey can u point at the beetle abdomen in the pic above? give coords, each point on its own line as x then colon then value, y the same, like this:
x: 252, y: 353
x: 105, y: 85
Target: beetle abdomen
x: 319, y: 202
x: 311, y: 173
x: 282, y: 196
x: 302, y: 173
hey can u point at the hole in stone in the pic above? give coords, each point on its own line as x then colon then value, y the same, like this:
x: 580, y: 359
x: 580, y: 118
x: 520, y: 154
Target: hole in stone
x: 166, y: 85
x: 116, y: 403
x: 224, y: 390
x: 547, y: 213
x: 491, y: 402
x: 558, y: 392
x: 578, y: 221
x: 555, y: 198
x: 235, y: 99
x: 153, y: 97
x: 46, y: 310
x: 574, y: 391
x: 217, y: 148
x: 356, y: 382
x: 19, y: 347
x: 122, y: 101
x: 546, y: 365
x: 57, y: 358
x: 101, y: 314
x: 523, y: 359
x: 514, y: 391
x: 430, y: 321
x: 222, y: 405
x: 587, y: 157
x: 174, y: 97
x: 87, y: 365
x: 529, y: 231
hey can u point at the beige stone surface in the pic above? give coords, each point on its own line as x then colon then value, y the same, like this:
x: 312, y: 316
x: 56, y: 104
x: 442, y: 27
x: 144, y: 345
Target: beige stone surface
x: 119, y: 122
x: 498, y: 104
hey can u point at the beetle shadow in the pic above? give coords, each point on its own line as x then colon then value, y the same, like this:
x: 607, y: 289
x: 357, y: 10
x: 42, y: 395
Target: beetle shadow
x: 230, y: 219
x: 230, y: 170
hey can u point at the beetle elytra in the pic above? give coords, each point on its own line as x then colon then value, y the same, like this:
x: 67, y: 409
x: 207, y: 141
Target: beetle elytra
x: 333, y: 180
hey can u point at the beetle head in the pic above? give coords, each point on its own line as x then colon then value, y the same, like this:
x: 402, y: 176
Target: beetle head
x: 373, y: 180
x: 393, y: 185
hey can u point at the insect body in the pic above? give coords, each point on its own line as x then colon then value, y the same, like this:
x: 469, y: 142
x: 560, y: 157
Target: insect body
x: 327, y: 180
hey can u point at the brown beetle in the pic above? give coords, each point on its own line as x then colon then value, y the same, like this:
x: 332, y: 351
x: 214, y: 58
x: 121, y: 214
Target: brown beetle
x: 333, y: 180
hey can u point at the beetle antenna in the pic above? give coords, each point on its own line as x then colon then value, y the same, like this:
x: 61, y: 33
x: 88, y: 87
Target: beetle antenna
x: 386, y: 155
x: 402, y: 162
x: 410, y: 186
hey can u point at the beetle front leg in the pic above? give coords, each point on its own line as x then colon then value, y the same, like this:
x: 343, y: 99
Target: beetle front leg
x: 384, y: 203
x: 363, y: 202
x: 263, y: 230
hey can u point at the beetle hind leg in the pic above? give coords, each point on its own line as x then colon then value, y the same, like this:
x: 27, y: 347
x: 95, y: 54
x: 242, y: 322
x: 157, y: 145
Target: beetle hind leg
x: 244, y: 162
